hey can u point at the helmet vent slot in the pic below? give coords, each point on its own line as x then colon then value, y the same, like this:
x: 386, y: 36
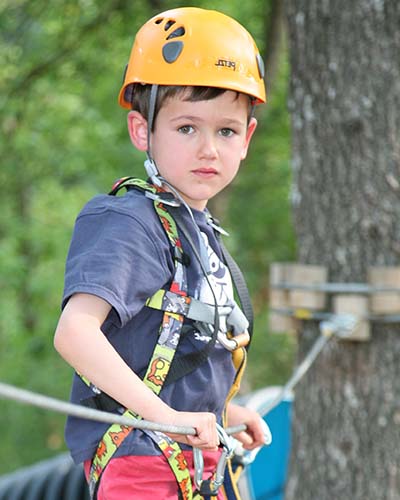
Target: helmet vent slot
x: 168, y: 24
x: 159, y: 20
x: 177, y: 33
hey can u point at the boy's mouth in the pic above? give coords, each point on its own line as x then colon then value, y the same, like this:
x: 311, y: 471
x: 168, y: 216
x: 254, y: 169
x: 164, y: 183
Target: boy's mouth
x: 205, y: 172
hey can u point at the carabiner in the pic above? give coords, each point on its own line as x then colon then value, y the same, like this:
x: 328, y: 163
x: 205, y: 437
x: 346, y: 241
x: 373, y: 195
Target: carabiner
x: 211, y: 486
x: 233, y: 343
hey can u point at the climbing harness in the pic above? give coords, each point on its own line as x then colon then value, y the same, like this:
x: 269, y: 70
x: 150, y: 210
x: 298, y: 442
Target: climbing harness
x: 163, y: 367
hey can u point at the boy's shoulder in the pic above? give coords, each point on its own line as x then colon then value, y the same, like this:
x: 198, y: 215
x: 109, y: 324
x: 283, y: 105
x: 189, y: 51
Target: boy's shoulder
x: 132, y: 204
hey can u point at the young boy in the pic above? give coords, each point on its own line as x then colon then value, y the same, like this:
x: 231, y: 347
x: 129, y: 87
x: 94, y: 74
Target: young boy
x: 193, y: 79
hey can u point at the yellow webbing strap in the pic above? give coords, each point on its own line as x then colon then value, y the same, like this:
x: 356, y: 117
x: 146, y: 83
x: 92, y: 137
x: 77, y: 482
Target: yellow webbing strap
x: 116, y: 434
x: 157, y: 370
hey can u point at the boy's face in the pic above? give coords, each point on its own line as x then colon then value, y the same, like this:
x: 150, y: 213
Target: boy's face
x: 198, y: 146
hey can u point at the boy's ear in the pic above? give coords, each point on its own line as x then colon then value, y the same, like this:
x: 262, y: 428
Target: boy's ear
x: 249, y: 134
x: 137, y: 127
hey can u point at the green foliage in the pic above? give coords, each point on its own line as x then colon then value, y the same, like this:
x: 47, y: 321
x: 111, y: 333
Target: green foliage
x: 64, y: 139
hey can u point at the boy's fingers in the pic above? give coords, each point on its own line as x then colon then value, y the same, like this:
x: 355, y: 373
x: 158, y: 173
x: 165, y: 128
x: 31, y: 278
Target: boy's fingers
x: 202, y: 444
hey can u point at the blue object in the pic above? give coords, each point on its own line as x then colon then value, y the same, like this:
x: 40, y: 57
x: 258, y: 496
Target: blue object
x: 265, y: 478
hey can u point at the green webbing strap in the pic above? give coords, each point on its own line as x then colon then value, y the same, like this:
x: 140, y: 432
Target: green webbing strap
x: 126, y: 182
x: 164, y: 351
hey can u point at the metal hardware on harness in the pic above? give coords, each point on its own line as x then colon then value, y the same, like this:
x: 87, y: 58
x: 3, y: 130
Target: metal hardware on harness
x: 211, y: 486
x: 235, y: 342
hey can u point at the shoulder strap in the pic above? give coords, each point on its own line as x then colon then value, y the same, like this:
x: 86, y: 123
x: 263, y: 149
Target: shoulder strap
x: 240, y: 286
x: 159, y: 366
x: 151, y: 191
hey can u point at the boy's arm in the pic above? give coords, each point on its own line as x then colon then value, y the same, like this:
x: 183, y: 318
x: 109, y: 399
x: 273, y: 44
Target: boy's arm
x: 80, y: 341
x: 253, y: 437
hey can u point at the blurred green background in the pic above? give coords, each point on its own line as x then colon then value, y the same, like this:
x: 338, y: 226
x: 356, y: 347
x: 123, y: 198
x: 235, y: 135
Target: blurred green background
x: 63, y: 139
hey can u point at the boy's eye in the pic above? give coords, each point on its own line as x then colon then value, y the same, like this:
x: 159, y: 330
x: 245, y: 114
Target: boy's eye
x: 186, y: 129
x: 226, y: 132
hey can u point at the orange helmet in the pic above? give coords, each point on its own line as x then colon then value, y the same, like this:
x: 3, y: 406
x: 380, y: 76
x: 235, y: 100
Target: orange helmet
x: 189, y: 46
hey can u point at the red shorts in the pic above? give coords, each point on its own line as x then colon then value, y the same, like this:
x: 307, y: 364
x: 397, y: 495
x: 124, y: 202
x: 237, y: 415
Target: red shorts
x: 147, y: 477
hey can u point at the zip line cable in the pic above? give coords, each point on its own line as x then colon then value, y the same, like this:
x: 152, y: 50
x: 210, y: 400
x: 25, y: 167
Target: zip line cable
x: 340, y: 325
x: 24, y: 396
x: 28, y: 397
x: 334, y: 325
x: 299, y: 373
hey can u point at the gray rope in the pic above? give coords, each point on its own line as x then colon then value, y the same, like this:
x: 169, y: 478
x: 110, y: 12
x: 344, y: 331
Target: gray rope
x: 334, y: 324
x: 298, y: 374
x: 13, y: 393
x: 339, y: 324
x: 28, y: 397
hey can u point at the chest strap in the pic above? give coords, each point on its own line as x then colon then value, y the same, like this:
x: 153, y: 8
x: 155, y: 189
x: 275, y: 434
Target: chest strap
x: 165, y: 300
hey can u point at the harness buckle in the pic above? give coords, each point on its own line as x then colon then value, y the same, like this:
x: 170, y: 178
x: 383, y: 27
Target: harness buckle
x: 211, y: 486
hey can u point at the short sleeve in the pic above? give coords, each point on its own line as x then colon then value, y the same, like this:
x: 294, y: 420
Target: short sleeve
x: 119, y: 253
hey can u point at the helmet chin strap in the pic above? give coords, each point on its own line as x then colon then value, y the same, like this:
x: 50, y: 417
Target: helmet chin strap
x: 158, y: 180
x: 149, y: 164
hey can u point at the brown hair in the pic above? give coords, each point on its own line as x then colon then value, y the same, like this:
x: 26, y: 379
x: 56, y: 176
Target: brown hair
x: 139, y: 96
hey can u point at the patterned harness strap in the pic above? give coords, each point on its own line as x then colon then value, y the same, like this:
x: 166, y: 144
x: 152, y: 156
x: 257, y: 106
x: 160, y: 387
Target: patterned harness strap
x: 164, y: 351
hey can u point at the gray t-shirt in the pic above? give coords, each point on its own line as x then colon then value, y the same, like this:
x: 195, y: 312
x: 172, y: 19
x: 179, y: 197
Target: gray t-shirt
x: 120, y: 252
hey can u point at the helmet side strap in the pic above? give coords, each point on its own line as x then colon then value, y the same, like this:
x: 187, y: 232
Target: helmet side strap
x: 150, y: 166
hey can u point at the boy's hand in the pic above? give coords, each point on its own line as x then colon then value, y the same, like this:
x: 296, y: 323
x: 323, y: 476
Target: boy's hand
x: 253, y: 436
x: 205, y: 425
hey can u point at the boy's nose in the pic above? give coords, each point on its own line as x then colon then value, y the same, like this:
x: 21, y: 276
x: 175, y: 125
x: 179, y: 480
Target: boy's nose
x: 208, y: 148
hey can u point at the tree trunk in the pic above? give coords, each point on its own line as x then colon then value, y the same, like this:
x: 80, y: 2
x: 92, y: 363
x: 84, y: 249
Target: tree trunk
x: 274, y: 36
x: 345, y: 109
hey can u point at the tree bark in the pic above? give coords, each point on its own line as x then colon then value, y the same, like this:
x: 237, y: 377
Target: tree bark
x: 274, y: 35
x: 345, y: 112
